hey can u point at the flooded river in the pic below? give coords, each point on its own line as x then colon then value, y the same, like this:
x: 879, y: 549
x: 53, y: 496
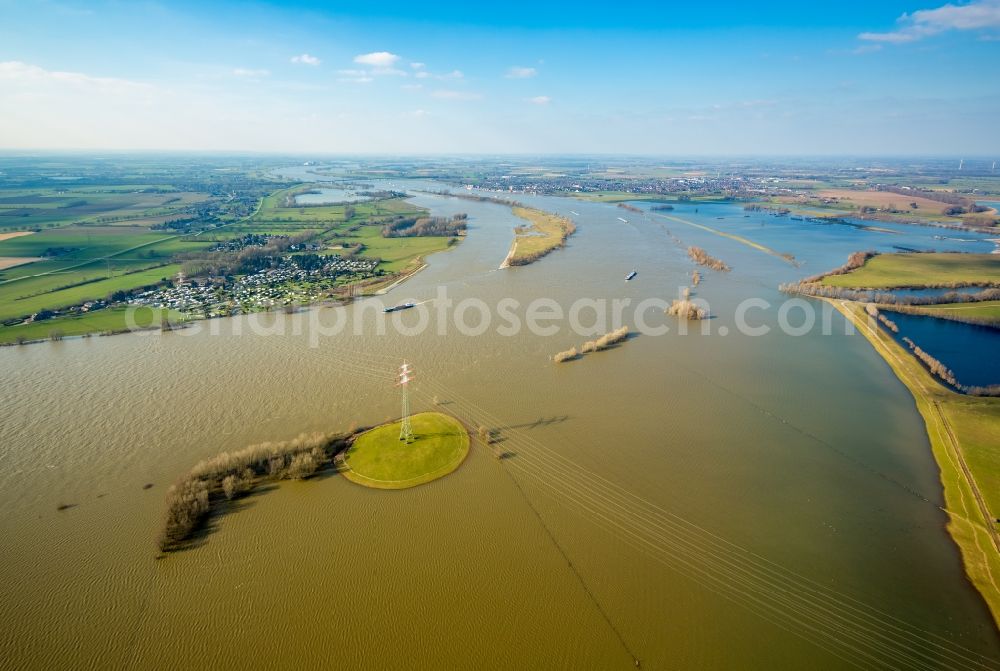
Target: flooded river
x: 706, y: 501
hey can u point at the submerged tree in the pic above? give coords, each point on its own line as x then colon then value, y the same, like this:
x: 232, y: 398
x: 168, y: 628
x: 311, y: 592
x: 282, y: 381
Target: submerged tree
x: 566, y: 355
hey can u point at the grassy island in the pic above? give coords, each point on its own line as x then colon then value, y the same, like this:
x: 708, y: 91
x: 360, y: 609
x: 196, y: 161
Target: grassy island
x: 545, y: 233
x: 379, y: 459
x: 374, y: 458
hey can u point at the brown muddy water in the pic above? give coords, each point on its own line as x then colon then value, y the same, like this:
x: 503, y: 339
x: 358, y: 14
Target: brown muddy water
x: 693, y: 501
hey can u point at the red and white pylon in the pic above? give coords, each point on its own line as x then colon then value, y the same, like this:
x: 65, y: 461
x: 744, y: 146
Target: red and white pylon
x: 404, y: 377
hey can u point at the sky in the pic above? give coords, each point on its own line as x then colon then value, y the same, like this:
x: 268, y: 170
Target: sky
x: 908, y: 77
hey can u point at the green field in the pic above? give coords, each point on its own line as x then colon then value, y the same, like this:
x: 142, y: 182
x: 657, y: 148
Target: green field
x: 379, y: 459
x: 987, y: 309
x: 330, y: 226
x: 101, y: 241
x: 398, y: 254
x: 887, y: 271
x: 36, y: 209
x: 112, y: 320
x: 11, y: 307
x: 86, y: 263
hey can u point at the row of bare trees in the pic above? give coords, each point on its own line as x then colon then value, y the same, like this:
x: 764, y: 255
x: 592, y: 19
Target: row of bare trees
x: 890, y: 300
x: 407, y: 227
x: 702, y: 258
x: 232, y: 474
x: 604, y: 342
x: 874, y: 312
x: 935, y: 366
x: 950, y: 315
x: 854, y: 261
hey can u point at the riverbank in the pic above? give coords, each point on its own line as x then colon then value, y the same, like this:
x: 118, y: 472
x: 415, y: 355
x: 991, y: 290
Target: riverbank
x: 115, y: 321
x: 964, y: 433
x: 107, y: 322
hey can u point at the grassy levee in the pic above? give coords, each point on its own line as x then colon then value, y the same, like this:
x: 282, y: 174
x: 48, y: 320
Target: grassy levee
x: 379, y: 459
x: 545, y: 233
x: 964, y: 433
x: 886, y: 271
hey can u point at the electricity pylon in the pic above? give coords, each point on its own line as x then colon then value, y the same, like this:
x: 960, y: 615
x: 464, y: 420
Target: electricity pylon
x: 405, y: 375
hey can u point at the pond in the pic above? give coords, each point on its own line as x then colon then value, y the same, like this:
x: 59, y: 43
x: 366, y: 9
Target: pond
x: 964, y: 348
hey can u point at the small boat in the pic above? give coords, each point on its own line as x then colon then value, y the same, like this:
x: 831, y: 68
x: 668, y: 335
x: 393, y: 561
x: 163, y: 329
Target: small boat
x: 575, y: 214
x: 624, y: 221
x: 631, y: 275
x: 401, y: 306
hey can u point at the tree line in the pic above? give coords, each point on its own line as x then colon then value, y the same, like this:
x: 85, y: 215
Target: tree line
x: 604, y: 342
x: 702, y: 258
x: 246, y: 260
x: 407, y: 227
x: 229, y: 475
x: 935, y: 366
x: 890, y: 300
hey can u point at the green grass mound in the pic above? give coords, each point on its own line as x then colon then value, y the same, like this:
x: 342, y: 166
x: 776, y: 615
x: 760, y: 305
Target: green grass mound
x: 380, y: 459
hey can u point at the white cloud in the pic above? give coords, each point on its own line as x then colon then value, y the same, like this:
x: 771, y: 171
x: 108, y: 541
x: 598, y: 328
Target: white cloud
x: 446, y: 94
x: 540, y: 100
x: 354, y: 76
x: 454, y: 74
x: 520, y: 73
x: 377, y: 59
x: 251, y: 74
x: 867, y: 49
x: 412, y: 87
x: 927, y: 22
x: 417, y: 66
x: 24, y: 73
x: 306, y: 59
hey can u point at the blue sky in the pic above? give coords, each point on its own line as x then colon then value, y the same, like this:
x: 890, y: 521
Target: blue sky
x: 915, y: 77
